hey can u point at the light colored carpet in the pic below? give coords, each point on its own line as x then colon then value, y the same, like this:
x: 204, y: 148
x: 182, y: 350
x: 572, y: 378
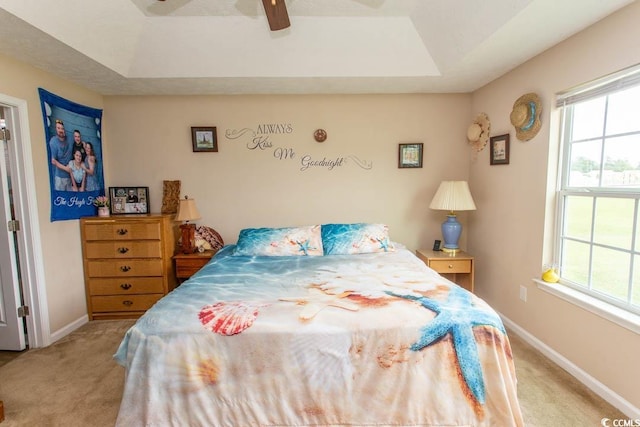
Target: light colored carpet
x: 551, y: 397
x: 75, y: 382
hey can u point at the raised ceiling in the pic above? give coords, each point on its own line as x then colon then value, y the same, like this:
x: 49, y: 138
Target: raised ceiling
x: 332, y: 46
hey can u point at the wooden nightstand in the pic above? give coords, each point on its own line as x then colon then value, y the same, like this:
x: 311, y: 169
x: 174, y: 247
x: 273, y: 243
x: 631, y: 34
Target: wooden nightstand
x: 456, y: 267
x: 188, y: 264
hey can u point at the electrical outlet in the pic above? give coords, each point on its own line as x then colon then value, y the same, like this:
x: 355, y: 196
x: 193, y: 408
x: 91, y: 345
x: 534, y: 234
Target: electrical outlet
x: 523, y: 293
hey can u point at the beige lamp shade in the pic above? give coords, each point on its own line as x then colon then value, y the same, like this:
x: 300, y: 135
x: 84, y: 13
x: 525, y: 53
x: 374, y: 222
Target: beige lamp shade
x: 453, y: 196
x: 187, y: 210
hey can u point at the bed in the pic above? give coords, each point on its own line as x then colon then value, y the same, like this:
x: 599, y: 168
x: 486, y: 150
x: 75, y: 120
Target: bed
x: 331, y: 325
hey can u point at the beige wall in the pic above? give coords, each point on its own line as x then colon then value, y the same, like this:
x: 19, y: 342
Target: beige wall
x: 506, y: 232
x: 148, y: 140
x: 61, y: 248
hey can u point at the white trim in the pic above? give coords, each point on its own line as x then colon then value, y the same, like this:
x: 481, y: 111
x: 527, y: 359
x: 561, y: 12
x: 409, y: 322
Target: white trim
x: 598, y: 307
x: 33, y: 278
x: 593, y: 384
x: 66, y: 330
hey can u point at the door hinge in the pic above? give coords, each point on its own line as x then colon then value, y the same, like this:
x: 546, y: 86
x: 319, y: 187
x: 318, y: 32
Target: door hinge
x: 13, y: 225
x: 23, y: 311
x: 4, y: 132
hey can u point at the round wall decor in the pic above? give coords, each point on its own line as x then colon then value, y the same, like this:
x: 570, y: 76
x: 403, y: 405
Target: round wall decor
x: 320, y: 135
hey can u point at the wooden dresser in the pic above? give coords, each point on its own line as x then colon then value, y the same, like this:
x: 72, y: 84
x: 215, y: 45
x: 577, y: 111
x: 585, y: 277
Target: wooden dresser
x: 127, y: 263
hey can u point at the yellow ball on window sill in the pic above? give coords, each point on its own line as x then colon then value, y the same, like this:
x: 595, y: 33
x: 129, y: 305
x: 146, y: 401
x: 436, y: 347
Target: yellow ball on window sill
x: 550, y: 276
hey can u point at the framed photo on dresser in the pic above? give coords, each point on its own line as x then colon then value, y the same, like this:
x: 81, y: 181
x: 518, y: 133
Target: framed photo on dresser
x: 129, y: 200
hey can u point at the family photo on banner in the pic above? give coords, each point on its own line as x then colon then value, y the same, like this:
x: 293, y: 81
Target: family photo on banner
x: 74, y: 149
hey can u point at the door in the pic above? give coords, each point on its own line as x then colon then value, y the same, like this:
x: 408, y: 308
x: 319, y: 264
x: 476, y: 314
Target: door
x: 12, y: 327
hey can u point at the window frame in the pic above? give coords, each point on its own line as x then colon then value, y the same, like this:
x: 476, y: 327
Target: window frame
x: 606, y: 86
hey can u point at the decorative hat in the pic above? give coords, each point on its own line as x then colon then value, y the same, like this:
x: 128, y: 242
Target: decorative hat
x: 525, y: 116
x: 478, y: 132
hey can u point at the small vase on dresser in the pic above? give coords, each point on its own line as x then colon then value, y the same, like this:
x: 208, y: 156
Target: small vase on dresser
x: 103, y: 211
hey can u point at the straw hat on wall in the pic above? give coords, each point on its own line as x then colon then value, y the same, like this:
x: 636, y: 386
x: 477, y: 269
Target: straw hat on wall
x: 525, y: 116
x: 478, y: 132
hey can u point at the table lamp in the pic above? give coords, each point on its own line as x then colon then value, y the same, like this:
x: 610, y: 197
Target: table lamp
x: 452, y: 196
x: 187, y: 211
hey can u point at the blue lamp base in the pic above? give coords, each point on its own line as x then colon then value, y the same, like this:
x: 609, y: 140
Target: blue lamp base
x: 451, y: 230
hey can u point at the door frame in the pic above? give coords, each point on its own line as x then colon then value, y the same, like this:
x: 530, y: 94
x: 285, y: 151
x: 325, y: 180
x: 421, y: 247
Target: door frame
x: 26, y: 211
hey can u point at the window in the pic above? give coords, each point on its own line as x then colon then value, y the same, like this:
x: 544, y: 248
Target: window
x: 599, y: 199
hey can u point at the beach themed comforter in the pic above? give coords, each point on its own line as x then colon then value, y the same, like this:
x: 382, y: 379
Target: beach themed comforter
x: 375, y: 339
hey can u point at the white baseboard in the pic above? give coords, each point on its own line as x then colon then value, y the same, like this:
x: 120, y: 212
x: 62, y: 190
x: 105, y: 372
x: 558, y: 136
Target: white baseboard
x: 67, y: 329
x: 596, y: 386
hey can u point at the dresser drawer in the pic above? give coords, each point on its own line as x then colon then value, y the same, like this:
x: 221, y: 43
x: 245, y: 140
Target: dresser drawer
x: 124, y: 249
x: 122, y: 230
x: 124, y: 302
x: 126, y: 285
x: 451, y: 265
x: 124, y: 268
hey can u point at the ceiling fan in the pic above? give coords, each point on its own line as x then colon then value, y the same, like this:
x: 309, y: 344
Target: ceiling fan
x: 276, y: 11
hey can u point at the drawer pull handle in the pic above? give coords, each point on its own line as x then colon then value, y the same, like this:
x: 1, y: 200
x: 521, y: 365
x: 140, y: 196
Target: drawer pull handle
x: 450, y: 266
x: 123, y: 250
x: 125, y: 268
x: 122, y: 231
x: 127, y: 302
x: 125, y: 286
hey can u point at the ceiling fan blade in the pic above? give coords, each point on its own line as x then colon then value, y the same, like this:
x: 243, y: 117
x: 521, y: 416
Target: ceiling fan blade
x: 276, y: 11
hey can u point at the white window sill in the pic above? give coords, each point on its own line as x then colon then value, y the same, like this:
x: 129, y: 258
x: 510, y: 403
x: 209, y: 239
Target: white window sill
x: 610, y: 312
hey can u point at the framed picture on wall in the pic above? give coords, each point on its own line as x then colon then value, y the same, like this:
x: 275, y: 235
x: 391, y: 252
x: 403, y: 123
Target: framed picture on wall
x: 410, y: 155
x: 204, y: 139
x: 129, y: 200
x: 499, y: 150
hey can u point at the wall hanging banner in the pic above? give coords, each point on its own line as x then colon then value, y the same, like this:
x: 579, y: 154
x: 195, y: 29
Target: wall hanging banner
x: 74, y: 149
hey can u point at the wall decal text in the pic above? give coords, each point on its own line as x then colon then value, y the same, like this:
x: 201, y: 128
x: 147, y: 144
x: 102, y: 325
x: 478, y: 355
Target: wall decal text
x: 260, y: 139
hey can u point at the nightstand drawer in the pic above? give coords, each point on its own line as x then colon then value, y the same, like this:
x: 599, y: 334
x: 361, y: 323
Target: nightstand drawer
x: 188, y: 267
x: 124, y: 302
x: 451, y: 265
x: 189, y: 264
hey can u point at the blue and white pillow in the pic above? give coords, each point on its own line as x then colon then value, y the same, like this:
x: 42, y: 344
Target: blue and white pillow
x: 360, y: 238
x: 288, y: 241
